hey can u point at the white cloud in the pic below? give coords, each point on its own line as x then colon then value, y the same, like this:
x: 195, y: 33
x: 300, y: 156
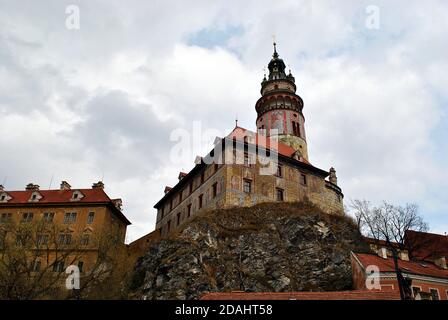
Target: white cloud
x: 102, y: 101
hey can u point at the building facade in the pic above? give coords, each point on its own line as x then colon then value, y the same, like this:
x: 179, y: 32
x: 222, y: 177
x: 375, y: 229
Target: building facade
x: 234, y: 173
x: 63, y: 227
x: 423, y: 263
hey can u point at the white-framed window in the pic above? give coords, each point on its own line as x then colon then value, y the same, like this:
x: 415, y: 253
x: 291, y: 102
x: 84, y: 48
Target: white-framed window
x: 70, y: 217
x: 434, y: 293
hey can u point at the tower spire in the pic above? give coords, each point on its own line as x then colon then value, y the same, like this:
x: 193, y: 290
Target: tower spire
x: 275, y: 55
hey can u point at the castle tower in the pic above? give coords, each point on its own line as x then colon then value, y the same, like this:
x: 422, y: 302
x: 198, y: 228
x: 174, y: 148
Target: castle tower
x: 280, y: 109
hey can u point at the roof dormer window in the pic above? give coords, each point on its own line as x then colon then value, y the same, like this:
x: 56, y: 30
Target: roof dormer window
x: 77, y: 196
x: 35, y: 197
x: 4, y: 197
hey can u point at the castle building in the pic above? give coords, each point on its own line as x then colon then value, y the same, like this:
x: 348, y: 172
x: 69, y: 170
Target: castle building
x: 67, y: 226
x: 234, y: 173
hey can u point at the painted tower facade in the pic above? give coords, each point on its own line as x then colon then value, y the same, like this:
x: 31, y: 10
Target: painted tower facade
x: 279, y: 109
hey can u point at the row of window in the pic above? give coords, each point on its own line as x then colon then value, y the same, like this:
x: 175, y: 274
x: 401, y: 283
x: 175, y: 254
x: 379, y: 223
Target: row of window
x: 247, y: 188
x: 58, y: 266
x: 434, y: 292
x: 69, y: 217
x: 63, y: 239
x: 191, y: 189
x: 302, y: 177
x: 200, y: 206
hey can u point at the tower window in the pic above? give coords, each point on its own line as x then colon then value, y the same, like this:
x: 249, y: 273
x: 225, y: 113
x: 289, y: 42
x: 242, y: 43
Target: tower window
x: 279, y: 172
x: 280, y: 194
x: 247, y: 186
x: 169, y: 226
x: 246, y: 160
x: 178, y: 218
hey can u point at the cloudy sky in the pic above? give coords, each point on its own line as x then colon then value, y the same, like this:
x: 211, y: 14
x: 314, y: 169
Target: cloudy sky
x: 102, y: 101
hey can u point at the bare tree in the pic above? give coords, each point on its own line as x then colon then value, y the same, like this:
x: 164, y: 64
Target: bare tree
x: 33, y: 257
x: 390, y: 223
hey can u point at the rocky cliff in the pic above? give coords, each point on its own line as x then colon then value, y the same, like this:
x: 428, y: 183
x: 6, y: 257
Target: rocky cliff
x: 269, y: 247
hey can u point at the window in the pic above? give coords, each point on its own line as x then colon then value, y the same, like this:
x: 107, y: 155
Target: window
x: 85, y: 239
x: 191, y: 187
x: 75, y: 195
x: 202, y: 177
x: 294, y: 128
x: 303, y: 179
x: 48, y: 216
x: 216, y: 166
x: 246, y: 159
x: 6, y: 217
x: 434, y: 294
x: 2, y: 198
x: 247, y: 186
x: 171, y: 205
x: 189, y: 210
x: 80, y: 266
x: 415, y: 291
x: 36, y: 266
x: 280, y: 194
x: 169, y: 225
x: 180, y: 196
x: 215, y: 189
x: 65, y: 239
x: 70, y: 217
x: 58, y: 266
x: 163, y: 211
x: 178, y: 218
x: 90, y: 217
x: 200, y: 201
x: 279, y: 172
x: 27, y: 217
x: 42, y: 239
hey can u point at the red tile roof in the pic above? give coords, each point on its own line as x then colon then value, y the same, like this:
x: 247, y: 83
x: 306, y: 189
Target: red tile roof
x: 53, y: 197
x: 380, y: 242
x: 423, y: 245
x: 334, y: 295
x: 58, y: 196
x: 260, y: 140
x: 412, y: 267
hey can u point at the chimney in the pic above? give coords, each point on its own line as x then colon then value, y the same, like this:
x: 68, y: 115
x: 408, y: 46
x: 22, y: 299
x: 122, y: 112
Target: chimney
x: 441, y: 262
x: 403, y: 255
x: 32, y: 187
x: 182, y: 175
x: 333, y: 178
x: 65, y: 185
x: 118, y: 203
x: 382, y: 252
x: 167, y: 189
x: 98, y: 185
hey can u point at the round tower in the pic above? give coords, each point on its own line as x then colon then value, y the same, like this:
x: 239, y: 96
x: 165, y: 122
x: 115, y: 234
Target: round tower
x: 280, y: 109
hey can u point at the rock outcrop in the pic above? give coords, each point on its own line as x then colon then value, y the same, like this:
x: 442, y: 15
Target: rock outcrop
x: 275, y: 247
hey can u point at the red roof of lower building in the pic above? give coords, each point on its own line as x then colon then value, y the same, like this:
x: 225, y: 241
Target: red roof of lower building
x: 334, y: 295
x: 62, y: 197
x: 412, y: 267
x: 423, y: 245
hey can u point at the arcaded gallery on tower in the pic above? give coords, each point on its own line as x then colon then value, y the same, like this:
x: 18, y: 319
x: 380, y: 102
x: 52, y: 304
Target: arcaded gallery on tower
x: 233, y: 173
